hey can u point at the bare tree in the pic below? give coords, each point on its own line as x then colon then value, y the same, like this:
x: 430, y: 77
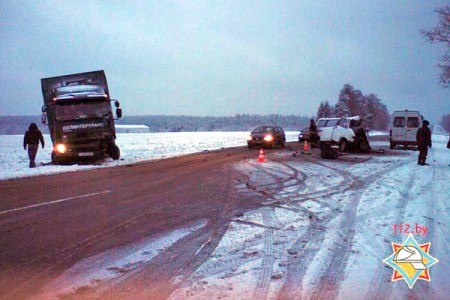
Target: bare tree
x: 441, y: 34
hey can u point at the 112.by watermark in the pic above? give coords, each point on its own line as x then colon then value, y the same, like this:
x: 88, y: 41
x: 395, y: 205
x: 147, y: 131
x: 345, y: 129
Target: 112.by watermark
x: 407, y: 229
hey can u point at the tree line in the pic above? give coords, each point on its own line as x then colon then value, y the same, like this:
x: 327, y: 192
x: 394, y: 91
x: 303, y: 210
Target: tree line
x: 352, y: 102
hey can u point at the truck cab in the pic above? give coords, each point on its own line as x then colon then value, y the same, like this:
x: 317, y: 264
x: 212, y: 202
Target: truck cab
x: 78, y: 111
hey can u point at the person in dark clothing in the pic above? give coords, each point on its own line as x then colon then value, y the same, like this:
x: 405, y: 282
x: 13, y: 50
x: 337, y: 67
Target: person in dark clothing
x: 32, y: 138
x: 423, y: 138
x: 312, y: 132
x: 361, y: 141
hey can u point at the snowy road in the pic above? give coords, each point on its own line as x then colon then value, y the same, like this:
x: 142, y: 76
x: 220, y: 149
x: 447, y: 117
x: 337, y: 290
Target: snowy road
x: 296, y: 226
x: 326, y: 226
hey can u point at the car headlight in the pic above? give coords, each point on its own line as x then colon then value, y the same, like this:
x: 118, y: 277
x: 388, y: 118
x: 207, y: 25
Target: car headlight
x: 61, y: 148
x: 249, y: 138
x: 268, y: 138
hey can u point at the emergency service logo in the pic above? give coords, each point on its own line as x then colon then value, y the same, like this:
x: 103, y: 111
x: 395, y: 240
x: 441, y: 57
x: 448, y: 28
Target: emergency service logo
x: 411, y: 261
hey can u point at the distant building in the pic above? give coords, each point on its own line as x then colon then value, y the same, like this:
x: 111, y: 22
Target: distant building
x: 132, y: 129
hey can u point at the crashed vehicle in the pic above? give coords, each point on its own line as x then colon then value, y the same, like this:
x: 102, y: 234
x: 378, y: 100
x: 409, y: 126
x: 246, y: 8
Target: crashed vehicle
x: 77, y: 109
x: 341, y: 132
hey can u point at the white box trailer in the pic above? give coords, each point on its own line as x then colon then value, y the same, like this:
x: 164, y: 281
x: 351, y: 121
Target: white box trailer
x: 405, y: 124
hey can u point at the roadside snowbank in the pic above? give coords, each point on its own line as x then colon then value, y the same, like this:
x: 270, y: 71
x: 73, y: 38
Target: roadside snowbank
x: 134, y: 148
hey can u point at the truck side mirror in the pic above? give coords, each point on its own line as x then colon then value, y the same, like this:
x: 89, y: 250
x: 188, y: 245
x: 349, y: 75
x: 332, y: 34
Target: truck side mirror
x: 116, y: 103
x: 44, y: 118
x: 44, y: 108
x: 119, y: 112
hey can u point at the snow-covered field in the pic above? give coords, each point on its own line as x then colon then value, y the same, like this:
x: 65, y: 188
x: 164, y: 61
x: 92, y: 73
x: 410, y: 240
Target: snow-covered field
x: 134, y: 148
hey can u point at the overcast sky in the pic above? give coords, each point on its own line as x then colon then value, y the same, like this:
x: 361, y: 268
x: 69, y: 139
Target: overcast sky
x: 221, y: 58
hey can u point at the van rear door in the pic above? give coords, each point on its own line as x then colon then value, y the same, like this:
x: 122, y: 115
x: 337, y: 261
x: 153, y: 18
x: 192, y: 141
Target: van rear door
x: 412, y: 124
x: 398, y: 128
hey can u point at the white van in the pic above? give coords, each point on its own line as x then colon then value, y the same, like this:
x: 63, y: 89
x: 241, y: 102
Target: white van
x: 404, y: 127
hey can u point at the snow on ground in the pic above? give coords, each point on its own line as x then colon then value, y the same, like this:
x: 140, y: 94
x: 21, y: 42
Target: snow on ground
x: 255, y: 257
x: 134, y: 148
x: 409, y: 195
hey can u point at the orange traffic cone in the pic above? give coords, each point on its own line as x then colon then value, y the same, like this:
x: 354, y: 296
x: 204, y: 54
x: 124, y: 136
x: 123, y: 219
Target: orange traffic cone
x: 261, y: 156
x: 306, y: 146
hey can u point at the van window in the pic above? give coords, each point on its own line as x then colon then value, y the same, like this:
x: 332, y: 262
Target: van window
x: 399, y: 122
x: 413, y: 122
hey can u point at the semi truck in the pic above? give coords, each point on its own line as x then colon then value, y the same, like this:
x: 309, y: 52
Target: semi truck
x: 78, y: 111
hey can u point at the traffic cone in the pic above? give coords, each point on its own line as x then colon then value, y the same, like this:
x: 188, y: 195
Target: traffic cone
x: 306, y: 146
x: 261, y: 156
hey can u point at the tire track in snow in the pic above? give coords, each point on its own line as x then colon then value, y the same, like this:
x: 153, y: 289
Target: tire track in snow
x: 328, y: 286
x: 270, y: 252
x: 311, y: 242
x: 380, y: 287
x: 313, y: 230
x: 348, y: 179
x: 295, y: 178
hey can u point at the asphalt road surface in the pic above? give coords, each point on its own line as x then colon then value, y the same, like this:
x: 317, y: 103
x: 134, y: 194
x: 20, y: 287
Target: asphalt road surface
x: 48, y: 223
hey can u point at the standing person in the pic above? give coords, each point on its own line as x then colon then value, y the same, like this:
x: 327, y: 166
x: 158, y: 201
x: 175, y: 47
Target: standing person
x: 312, y: 132
x: 423, y: 138
x: 32, y: 138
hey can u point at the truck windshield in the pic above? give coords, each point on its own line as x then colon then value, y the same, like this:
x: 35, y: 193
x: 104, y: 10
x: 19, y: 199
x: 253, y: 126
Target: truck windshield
x: 74, y: 89
x: 85, y: 110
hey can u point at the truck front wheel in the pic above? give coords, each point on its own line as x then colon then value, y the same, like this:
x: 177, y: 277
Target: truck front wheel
x: 114, y: 152
x: 55, y: 159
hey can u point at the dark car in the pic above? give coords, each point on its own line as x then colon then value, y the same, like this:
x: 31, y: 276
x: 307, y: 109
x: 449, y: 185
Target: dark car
x: 304, y: 135
x: 267, y: 137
